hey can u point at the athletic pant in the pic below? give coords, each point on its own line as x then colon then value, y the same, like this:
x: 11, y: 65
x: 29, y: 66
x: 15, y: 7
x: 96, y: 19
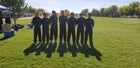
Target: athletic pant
x: 71, y: 32
x: 80, y: 32
x: 53, y: 33
x: 45, y: 34
x: 37, y: 33
x: 88, y: 33
x: 63, y: 34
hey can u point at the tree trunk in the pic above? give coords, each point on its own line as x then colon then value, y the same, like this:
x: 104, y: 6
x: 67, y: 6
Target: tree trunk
x: 15, y: 21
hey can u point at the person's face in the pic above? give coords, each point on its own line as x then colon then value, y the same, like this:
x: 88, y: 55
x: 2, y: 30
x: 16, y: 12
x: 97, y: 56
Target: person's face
x: 45, y: 15
x: 72, y: 15
x: 89, y: 16
x: 62, y: 13
x: 37, y: 14
x: 81, y: 15
x: 54, y: 14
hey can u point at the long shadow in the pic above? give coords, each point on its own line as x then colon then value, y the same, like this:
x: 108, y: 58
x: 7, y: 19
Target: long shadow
x: 93, y: 51
x: 41, y: 48
x: 51, y: 48
x: 87, y: 51
x: 62, y: 49
x: 4, y: 38
x: 30, y: 49
x: 73, y: 49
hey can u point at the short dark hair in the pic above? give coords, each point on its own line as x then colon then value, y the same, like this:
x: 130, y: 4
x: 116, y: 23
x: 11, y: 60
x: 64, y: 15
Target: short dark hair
x: 62, y: 11
x: 72, y: 13
x: 89, y: 14
x: 80, y: 14
x: 53, y: 11
x: 44, y: 13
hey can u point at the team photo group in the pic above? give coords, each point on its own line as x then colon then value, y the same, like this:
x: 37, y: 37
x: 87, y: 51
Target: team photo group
x: 67, y: 28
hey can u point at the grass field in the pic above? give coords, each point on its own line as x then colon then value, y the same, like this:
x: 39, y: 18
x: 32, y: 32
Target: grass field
x: 116, y: 45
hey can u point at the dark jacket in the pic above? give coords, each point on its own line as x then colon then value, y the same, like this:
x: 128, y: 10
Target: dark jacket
x: 62, y: 21
x: 89, y: 24
x: 36, y: 21
x: 71, y: 22
x: 81, y: 22
x: 45, y: 23
x: 53, y: 21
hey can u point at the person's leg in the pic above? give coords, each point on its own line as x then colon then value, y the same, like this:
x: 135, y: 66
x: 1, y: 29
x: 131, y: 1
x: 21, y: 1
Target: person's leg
x: 69, y: 34
x: 47, y: 35
x: 90, y: 36
x: 35, y: 35
x: 73, y: 35
x: 43, y: 35
x: 39, y: 34
x: 78, y: 33
x: 65, y: 35
x: 51, y: 34
x: 86, y: 36
x: 61, y: 32
x: 82, y: 36
x: 55, y: 34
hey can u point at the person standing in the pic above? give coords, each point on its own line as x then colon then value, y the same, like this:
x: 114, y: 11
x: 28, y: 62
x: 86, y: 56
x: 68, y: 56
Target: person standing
x: 45, y: 28
x: 53, y: 24
x: 1, y: 22
x: 80, y: 30
x: 71, y: 27
x: 8, y: 19
x: 37, y: 30
x: 62, y: 21
x: 89, y: 26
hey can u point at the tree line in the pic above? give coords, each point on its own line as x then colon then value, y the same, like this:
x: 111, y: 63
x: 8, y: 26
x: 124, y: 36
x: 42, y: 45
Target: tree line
x: 115, y: 11
x: 19, y: 6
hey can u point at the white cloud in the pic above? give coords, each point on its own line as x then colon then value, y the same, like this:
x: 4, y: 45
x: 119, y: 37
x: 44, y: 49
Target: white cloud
x: 75, y: 5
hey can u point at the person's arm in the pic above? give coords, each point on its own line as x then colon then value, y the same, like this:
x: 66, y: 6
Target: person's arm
x: 33, y: 21
x: 75, y: 22
x: 92, y: 23
x: 59, y: 19
x: 56, y: 19
x: 50, y: 21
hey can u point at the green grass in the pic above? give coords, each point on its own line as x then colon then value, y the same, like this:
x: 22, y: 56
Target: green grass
x: 118, y: 43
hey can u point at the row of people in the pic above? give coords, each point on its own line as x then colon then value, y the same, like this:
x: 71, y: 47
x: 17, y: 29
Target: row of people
x: 63, y: 20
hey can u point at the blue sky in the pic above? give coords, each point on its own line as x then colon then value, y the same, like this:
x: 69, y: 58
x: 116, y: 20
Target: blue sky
x: 75, y: 5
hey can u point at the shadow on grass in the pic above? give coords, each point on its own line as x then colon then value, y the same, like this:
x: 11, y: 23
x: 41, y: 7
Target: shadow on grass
x: 4, y: 38
x: 51, y: 49
x: 89, y: 51
x: 62, y: 49
x: 30, y: 49
x: 73, y: 49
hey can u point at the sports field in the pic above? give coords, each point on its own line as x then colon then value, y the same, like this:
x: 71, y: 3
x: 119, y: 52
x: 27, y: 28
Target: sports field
x: 116, y: 45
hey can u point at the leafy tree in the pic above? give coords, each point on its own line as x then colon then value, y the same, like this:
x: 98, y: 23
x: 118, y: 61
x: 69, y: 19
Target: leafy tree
x: 85, y: 11
x: 40, y: 10
x: 67, y: 12
x: 16, y: 6
x: 133, y: 7
x: 95, y: 12
x: 102, y: 12
x: 30, y: 9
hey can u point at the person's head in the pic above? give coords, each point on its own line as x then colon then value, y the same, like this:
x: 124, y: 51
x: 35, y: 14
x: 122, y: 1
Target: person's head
x: 36, y: 14
x: 45, y: 15
x: 72, y: 14
x: 89, y: 15
x: 54, y: 13
x: 62, y: 12
x: 81, y: 15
